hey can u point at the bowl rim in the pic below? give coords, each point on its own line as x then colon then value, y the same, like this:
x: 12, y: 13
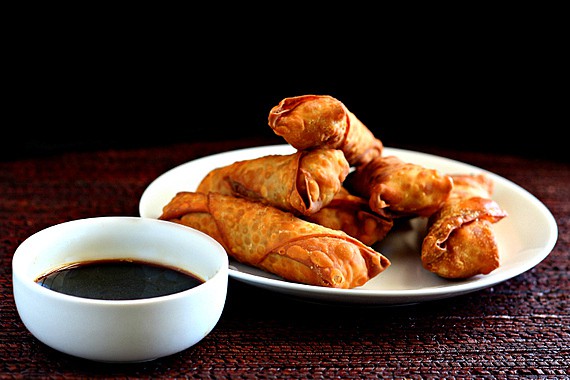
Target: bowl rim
x: 19, y: 275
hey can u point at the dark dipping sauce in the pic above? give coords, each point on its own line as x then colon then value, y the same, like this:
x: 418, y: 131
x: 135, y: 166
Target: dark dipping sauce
x: 118, y: 280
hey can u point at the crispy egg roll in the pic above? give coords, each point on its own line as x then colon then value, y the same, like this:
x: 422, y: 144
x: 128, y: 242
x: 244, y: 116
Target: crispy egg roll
x: 311, y: 121
x: 351, y: 214
x: 396, y: 188
x: 302, y: 182
x: 460, y: 242
x: 277, y: 241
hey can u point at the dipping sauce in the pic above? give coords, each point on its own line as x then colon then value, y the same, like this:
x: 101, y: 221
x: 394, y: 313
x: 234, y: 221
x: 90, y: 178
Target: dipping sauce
x: 118, y: 280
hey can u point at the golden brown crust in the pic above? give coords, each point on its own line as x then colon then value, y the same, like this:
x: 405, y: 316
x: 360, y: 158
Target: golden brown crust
x: 302, y: 182
x: 276, y: 241
x: 471, y: 185
x: 471, y: 250
x: 460, y: 241
x: 351, y: 214
x: 311, y: 121
x: 395, y: 188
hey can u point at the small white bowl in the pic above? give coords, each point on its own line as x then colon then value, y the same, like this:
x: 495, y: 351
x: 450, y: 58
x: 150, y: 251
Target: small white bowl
x: 120, y: 330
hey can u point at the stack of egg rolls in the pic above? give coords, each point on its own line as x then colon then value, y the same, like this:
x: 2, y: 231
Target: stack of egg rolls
x: 313, y: 216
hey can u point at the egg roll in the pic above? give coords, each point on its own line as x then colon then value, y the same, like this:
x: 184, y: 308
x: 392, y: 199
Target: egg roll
x: 351, y: 214
x: 460, y: 241
x: 276, y: 241
x: 395, y: 188
x: 302, y: 182
x: 311, y: 121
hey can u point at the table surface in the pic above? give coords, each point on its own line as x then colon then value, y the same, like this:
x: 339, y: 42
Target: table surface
x: 518, y: 328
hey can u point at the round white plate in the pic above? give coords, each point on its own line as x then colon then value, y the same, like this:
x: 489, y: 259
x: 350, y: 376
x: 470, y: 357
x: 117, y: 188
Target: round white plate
x: 525, y: 237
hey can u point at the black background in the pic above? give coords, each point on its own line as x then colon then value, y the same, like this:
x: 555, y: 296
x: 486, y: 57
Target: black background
x: 497, y: 94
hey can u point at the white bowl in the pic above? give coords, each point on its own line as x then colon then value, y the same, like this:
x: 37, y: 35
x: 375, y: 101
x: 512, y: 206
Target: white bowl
x: 120, y: 330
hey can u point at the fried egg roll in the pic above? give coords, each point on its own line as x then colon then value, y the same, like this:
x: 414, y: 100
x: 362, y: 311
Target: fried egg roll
x: 396, y: 188
x: 311, y: 121
x: 302, y: 182
x: 351, y: 214
x: 276, y: 241
x: 460, y: 242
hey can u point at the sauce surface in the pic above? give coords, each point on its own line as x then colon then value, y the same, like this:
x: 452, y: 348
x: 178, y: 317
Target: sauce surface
x: 118, y: 280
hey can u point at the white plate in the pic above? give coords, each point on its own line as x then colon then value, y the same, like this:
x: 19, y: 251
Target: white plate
x: 525, y: 237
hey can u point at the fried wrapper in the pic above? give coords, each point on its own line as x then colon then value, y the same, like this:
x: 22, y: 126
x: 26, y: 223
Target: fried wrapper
x: 302, y: 182
x: 351, y: 214
x: 460, y: 241
x: 276, y: 241
x: 311, y: 121
x: 396, y: 188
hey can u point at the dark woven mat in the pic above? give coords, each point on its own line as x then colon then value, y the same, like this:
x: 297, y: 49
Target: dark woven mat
x: 520, y: 327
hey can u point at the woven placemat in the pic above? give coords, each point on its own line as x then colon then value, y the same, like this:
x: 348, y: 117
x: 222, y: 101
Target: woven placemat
x: 517, y: 328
